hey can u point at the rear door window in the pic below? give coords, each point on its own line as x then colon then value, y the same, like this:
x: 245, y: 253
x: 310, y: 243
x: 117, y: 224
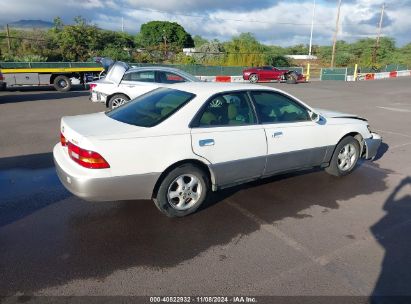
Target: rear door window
x: 144, y: 76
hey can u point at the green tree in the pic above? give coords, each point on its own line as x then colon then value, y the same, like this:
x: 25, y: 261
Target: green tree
x: 299, y: 49
x: 78, y: 42
x: 57, y: 24
x: 156, y: 33
x: 117, y: 46
x: 245, y: 50
x: 182, y: 58
x: 199, y: 41
x: 277, y: 60
x: 210, y: 53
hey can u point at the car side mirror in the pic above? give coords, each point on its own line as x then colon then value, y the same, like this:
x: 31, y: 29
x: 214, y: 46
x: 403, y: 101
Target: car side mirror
x: 315, y: 117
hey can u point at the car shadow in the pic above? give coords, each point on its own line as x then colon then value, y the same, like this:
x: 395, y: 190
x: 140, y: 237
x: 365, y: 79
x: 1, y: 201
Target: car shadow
x: 42, y: 95
x: 381, y: 151
x: 77, y: 87
x: 27, y: 183
x: 68, y: 239
x: 393, y: 284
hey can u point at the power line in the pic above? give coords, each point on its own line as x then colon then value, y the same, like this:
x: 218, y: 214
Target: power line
x: 236, y: 20
x: 227, y: 19
x: 21, y: 38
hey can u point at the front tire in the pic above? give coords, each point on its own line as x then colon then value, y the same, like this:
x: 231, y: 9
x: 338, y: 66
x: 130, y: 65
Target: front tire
x: 117, y: 100
x: 182, y: 191
x: 253, y: 78
x: 345, y: 157
x: 62, y: 83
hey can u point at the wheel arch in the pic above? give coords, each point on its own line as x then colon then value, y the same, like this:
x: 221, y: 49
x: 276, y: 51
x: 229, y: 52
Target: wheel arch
x: 54, y: 76
x: 357, y: 136
x: 111, y: 95
x: 195, y: 162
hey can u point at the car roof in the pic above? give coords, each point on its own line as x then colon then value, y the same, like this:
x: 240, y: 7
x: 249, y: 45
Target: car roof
x: 153, y: 68
x: 212, y: 88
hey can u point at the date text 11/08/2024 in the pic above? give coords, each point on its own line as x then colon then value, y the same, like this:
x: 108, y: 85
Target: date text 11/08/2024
x: 199, y: 299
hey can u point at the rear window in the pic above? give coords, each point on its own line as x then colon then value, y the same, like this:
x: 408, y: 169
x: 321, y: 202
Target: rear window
x: 152, y: 108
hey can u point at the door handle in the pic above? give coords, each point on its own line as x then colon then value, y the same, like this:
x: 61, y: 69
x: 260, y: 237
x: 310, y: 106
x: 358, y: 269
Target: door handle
x: 277, y: 134
x: 206, y: 142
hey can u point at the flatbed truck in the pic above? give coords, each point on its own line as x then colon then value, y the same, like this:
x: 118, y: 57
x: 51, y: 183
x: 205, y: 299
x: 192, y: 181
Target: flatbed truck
x: 61, y: 75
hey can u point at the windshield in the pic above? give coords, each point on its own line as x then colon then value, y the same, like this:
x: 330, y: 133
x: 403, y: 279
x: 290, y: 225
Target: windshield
x: 152, y: 108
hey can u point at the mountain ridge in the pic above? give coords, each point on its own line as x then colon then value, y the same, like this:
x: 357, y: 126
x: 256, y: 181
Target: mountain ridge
x: 30, y: 24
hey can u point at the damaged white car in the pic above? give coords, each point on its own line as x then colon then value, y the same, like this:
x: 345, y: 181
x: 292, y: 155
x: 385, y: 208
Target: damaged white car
x: 174, y: 145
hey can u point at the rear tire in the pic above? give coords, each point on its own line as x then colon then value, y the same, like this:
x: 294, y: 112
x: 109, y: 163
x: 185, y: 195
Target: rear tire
x: 117, y: 100
x: 253, y: 78
x: 345, y: 157
x: 182, y: 191
x: 62, y: 83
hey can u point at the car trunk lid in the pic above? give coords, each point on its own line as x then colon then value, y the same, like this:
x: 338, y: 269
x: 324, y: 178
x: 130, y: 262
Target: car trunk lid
x: 116, y: 72
x: 77, y: 129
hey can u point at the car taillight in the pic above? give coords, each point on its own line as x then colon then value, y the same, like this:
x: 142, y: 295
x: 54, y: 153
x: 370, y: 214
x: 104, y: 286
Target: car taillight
x: 92, y: 86
x: 86, y: 158
x: 63, y: 140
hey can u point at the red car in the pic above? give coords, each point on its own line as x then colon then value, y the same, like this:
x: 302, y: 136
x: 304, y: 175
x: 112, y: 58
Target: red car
x: 269, y: 73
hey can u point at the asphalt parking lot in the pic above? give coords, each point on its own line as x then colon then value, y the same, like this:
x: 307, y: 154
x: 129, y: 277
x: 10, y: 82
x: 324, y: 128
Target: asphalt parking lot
x: 306, y: 233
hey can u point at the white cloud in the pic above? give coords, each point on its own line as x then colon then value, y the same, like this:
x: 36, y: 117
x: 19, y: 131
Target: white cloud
x: 223, y: 19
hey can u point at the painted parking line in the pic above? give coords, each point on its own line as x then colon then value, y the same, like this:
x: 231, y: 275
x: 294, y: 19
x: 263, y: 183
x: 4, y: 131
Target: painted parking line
x: 395, y: 109
x: 394, y: 133
x: 400, y: 145
x: 323, y: 261
x: 330, y: 261
x: 274, y: 231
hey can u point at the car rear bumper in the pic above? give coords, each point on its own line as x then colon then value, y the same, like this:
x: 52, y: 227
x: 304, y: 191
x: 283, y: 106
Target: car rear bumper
x: 86, y: 184
x: 97, y: 96
x: 371, y: 145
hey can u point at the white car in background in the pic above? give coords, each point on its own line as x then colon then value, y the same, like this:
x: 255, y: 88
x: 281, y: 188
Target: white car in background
x: 123, y: 83
x: 176, y: 144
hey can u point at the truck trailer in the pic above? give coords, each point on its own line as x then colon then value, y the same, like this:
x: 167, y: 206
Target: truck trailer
x: 61, y: 75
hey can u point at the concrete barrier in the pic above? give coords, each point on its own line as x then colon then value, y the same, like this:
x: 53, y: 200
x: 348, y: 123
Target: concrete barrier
x: 382, y: 75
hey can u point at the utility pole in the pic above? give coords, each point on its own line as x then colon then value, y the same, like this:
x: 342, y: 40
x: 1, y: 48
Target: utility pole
x: 335, y: 34
x: 377, y: 41
x: 122, y: 24
x: 311, y: 34
x: 165, y: 44
x: 8, y: 37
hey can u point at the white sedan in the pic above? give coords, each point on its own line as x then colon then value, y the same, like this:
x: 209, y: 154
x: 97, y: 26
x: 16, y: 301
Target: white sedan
x: 124, y: 83
x: 175, y: 145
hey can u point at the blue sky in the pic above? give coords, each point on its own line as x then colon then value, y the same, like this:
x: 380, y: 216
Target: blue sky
x: 281, y: 22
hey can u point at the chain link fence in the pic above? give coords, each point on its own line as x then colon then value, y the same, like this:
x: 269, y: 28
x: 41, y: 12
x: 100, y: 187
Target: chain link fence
x: 342, y: 73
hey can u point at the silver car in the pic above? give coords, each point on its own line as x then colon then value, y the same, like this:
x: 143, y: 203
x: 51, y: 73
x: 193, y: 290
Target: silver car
x: 124, y: 83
